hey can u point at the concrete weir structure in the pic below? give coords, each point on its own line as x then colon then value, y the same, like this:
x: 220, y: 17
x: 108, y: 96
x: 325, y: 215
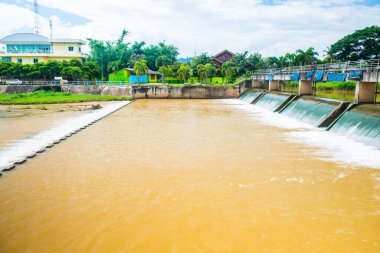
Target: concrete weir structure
x: 139, y: 91
x: 18, y: 152
x: 358, y: 122
x: 365, y: 73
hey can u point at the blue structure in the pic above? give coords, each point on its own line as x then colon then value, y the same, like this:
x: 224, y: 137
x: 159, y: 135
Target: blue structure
x: 138, y: 79
x: 355, y: 74
x: 270, y: 77
x: 309, y: 75
x: 319, y: 75
x: 336, y: 77
x: 295, y: 76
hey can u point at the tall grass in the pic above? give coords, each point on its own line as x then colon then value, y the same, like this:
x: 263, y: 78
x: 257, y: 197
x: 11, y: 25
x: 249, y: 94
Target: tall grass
x: 50, y: 97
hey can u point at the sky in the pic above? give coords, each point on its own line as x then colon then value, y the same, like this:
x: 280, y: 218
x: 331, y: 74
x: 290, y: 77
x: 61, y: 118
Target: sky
x: 270, y: 27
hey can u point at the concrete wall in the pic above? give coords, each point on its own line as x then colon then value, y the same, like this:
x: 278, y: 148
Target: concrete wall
x: 12, y: 89
x: 186, y: 92
x: 138, y: 92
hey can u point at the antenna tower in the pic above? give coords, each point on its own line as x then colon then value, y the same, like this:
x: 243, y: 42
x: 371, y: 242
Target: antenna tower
x: 36, y: 18
x: 51, y: 28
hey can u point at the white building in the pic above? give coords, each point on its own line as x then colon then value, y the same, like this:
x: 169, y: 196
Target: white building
x: 29, y: 48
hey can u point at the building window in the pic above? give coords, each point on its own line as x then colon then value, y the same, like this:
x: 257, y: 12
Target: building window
x: 71, y: 49
x: 6, y: 59
x: 35, y: 60
x: 19, y: 60
x: 27, y: 48
x: 79, y: 49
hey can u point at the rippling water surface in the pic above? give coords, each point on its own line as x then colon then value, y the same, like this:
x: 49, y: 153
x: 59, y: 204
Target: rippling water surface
x: 188, y: 176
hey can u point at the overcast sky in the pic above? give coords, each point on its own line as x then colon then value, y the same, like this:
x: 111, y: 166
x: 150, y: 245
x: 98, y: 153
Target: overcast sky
x: 270, y: 27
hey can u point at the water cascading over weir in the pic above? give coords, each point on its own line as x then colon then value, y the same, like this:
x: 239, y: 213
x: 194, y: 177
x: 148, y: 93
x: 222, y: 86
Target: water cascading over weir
x: 362, y: 123
x: 358, y: 122
x: 310, y: 109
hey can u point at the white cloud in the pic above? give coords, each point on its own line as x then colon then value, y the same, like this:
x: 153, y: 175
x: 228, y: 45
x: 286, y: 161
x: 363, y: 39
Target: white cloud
x: 208, y: 25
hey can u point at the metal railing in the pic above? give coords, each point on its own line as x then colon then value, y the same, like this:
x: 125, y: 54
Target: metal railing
x: 52, y: 83
x: 369, y: 65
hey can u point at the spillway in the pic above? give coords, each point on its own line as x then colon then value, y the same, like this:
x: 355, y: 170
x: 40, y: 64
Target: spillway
x: 310, y: 110
x: 361, y: 124
x: 271, y: 101
x: 249, y: 96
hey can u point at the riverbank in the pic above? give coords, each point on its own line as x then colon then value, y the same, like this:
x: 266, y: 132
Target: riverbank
x: 49, y: 97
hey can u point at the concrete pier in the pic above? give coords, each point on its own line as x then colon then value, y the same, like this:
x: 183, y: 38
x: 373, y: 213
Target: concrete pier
x: 305, y: 87
x: 274, y: 85
x: 256, y: 84
x: 365, y: 92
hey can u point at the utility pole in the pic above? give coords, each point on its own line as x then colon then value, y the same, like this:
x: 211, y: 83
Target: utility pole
x: 51, y: 28
x: 36, y: 18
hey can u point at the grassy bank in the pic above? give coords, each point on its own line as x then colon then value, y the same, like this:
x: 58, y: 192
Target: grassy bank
x: 49, y: 97
x: 327, y: 86
x: 348, y: 95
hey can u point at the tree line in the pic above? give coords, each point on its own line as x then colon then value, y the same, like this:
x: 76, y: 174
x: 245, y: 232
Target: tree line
x: 110, y: 56
x: 71, y: 70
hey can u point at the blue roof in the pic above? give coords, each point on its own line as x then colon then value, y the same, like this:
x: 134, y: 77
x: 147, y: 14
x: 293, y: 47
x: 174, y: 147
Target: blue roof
x: 25, y: 38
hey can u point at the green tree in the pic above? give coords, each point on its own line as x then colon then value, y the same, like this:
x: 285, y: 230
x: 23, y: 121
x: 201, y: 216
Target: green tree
x: 166, y: 70
x: 210, y: 71
x: 290, y: 59
x: 203, y: 59
x: 184, y: 72
x: 54, y: 68
x: 201, y: 70
x: 228, y: 71
x: 253, y: 61
x: 140, y: 68
x: 306, y: 57
x: 361, y: 45
x: 5, y: 71
x: 104, y: 52
x: 72, y: 73
x: 240, y: 63
x: 161, y: 62
x: 91, y: 71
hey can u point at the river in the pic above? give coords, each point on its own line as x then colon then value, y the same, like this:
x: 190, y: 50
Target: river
x: 188, y: 176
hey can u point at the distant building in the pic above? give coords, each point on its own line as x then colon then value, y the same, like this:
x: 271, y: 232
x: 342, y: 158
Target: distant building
x: 29, y: 48
x: 222, y: 57
x: 128, y: 75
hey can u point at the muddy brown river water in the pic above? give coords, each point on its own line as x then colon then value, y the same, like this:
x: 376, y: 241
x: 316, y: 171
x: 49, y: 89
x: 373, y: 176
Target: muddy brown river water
x: 187, y: 176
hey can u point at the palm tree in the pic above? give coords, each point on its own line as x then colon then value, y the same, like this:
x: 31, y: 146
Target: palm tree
x: 201, y: 71
x: 162, y: 61
x: 209, y: 70
x: 290, y: 59
x: 306, y: 57
x: 140, y: 68
x: 329, y: 57
x: 184, y: 72
x: 228, y: 70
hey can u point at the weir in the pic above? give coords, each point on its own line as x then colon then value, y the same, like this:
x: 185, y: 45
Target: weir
x: 310, y: 110
x: 365, y: 73
x: 273, y: 100
x: 18, y: 152
x: 358, y: 122
x: 250, y: 96
x: 362, y: 123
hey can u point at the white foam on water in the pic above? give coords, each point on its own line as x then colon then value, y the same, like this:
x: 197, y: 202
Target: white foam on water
x: 331, y: 146
x: 21, y: 149
x: 338, y: 148
x: 269, y: 117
